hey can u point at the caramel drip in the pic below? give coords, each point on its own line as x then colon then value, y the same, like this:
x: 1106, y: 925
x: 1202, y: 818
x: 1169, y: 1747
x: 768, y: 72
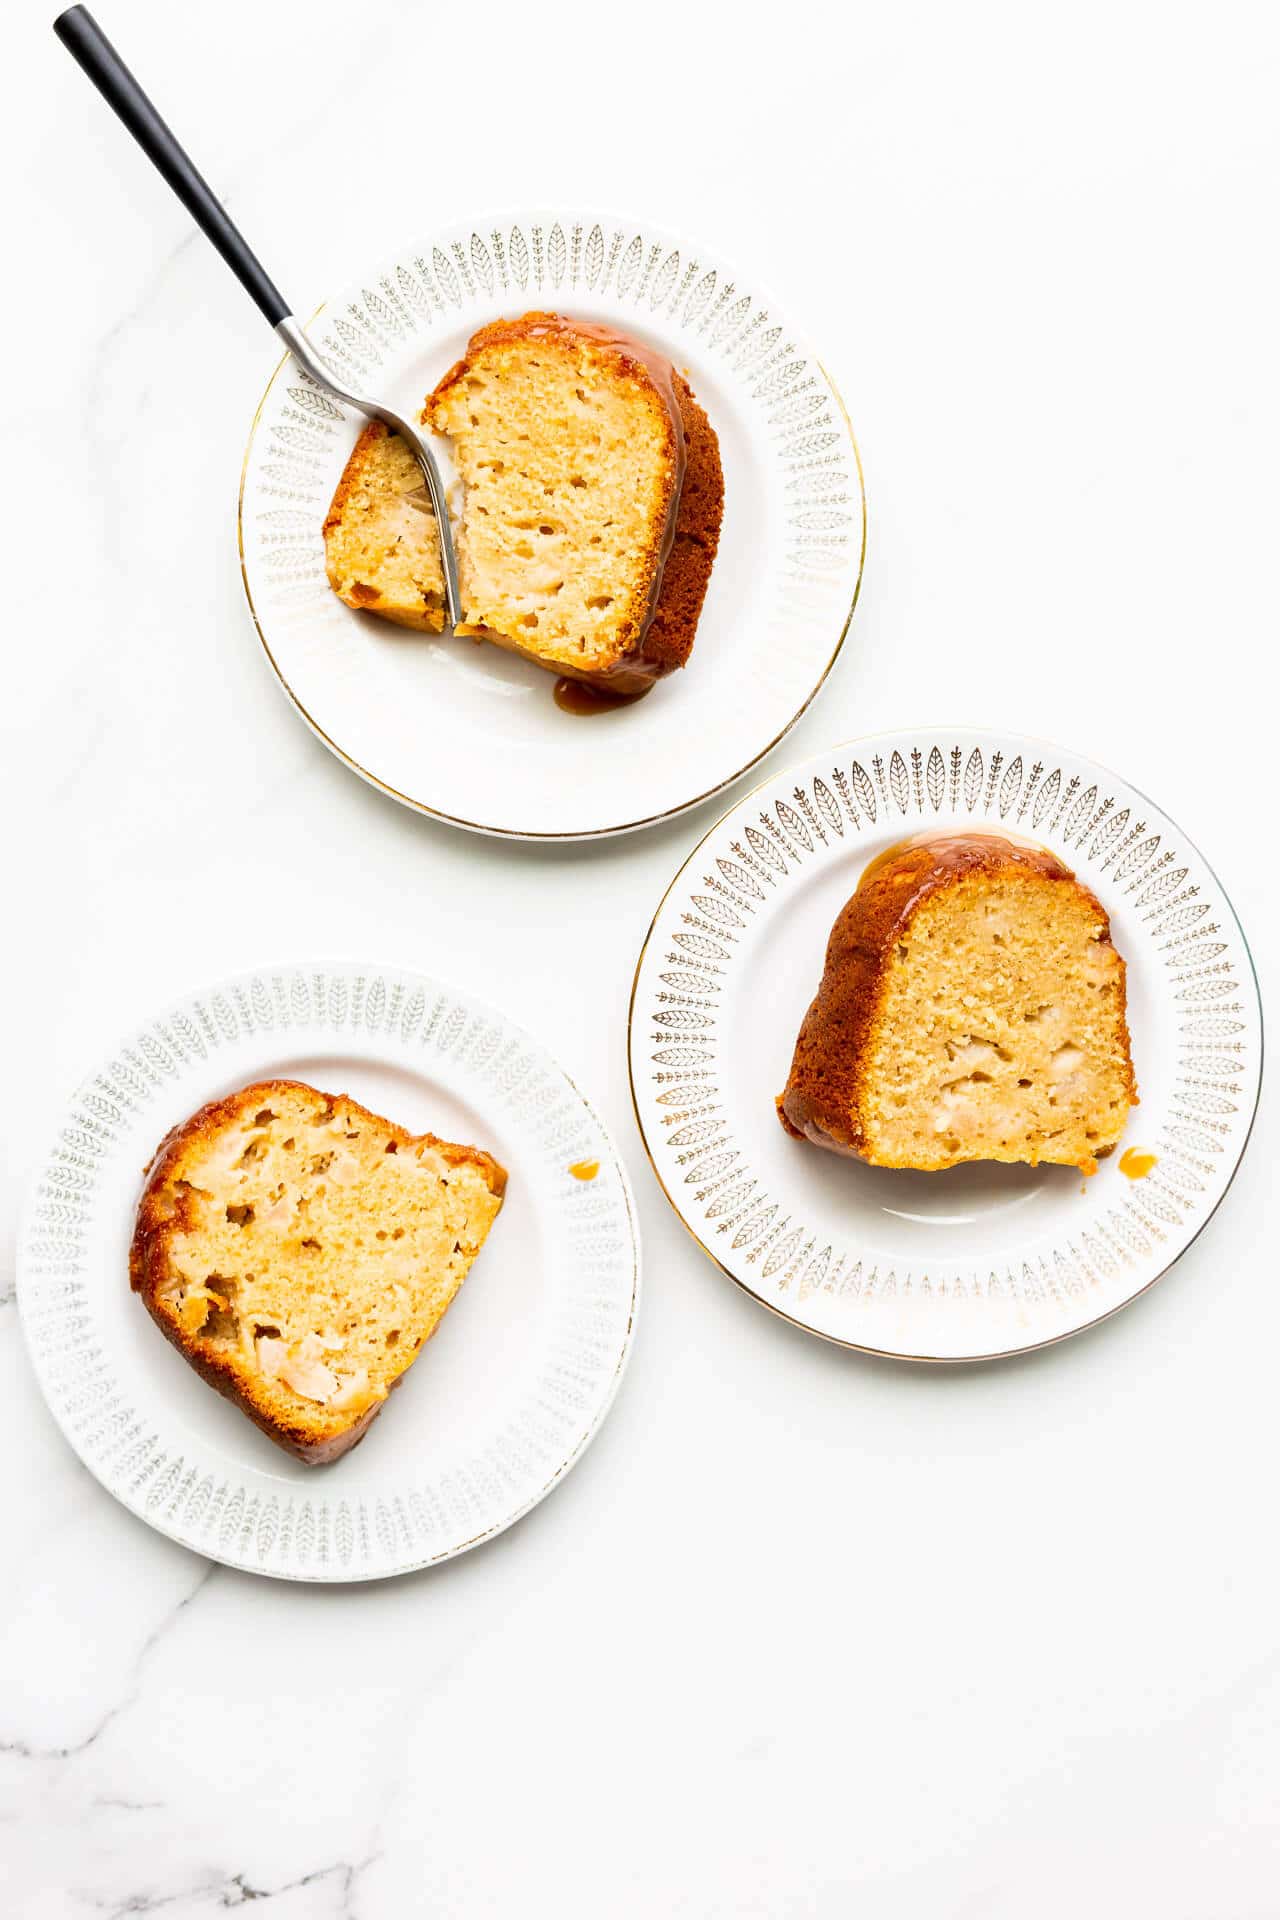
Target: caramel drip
x: 590, y: 696
x: 1135, y: 1164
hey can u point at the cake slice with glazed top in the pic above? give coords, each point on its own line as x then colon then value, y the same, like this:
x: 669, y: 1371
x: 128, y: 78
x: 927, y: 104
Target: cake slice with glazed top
x: 570, y: 439
x: 300, y: 1251
x: 592, y: 499
x: 972, y: 1007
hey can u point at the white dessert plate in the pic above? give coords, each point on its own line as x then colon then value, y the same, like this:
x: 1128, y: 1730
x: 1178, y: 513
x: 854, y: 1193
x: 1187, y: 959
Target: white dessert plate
x: 471, y: 734
x: 502, y: 1401
x: 982, y: 1260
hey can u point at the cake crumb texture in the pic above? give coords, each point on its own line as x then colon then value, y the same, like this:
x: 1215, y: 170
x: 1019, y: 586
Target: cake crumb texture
x: 593, y: 496
x: 381, y: 546
x: 972, y: 1007
x: 300, y: 1252
x: 592, y: 502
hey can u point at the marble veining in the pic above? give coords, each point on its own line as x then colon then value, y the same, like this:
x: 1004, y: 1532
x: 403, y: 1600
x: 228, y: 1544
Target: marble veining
x: 28, y: 1750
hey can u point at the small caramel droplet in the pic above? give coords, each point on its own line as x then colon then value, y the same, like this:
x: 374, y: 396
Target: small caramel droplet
x: 585, y: 1169
x: 1135, y: 1164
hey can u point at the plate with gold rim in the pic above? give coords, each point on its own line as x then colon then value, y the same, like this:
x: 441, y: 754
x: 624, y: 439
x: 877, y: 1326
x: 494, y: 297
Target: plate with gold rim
x: 509, y: 1391
x: 981, y: 1260
x: 470, y: 733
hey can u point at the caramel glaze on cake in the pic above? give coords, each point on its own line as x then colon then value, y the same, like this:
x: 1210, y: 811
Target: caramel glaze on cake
x: 668, y: 638
x: 972, y: 1007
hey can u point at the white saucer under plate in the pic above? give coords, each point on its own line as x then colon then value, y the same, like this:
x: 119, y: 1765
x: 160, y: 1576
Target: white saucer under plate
x: 508, y: 1393
x: 470, y: 733
x: 982, y: 1260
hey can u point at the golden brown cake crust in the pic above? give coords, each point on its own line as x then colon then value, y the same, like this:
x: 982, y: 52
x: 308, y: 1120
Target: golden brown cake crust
x: 669, y: 639
x: 820, y: 1101
x: 166, y: 1210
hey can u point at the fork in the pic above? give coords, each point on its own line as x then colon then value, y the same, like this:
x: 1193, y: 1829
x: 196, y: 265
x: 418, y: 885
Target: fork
x: 80, y: 33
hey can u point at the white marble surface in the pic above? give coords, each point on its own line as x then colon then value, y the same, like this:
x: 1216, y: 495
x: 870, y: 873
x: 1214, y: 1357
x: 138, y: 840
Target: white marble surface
x: 804, y: 1634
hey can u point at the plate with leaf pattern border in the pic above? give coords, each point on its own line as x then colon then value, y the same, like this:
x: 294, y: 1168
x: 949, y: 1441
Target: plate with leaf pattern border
x: 982, y: 1260
x: 471, y: 734
x: 510, y: 1390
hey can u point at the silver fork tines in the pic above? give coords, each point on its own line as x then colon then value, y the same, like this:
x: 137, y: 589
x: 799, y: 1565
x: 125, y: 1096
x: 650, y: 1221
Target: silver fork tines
x: 314, y: 367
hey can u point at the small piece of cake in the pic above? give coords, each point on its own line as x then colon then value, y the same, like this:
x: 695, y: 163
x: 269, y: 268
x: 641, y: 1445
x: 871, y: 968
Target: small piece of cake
x: 972, y: 1008
x: 381, y: 547
x: 300, y: 1252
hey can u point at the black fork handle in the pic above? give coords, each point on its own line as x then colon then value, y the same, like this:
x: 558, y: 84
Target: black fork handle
x: 84, y: 39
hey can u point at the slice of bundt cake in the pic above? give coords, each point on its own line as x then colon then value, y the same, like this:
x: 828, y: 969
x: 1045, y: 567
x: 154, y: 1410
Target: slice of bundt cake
x: 300, y: 1252
x: 381, y: 548
x: 578, y: 448
x: 594, y: 496
x: 972, y: 1008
